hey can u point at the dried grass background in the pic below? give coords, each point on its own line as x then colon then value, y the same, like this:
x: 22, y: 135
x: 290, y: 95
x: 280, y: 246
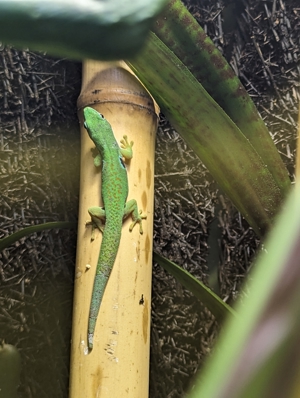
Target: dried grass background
x: 195, y: 225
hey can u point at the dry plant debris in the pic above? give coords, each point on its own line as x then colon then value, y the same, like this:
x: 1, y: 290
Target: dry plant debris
x: 39, y: 176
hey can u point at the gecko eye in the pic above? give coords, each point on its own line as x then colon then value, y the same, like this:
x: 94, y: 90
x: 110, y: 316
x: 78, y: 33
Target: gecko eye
x: 85, y: 125
x: 101, y: 115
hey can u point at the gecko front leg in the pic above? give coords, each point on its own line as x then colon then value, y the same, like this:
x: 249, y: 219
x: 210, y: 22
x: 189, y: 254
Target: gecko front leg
x: 126, y: 148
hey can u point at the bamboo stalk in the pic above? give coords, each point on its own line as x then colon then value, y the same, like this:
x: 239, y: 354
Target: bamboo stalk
x: 118, y: 365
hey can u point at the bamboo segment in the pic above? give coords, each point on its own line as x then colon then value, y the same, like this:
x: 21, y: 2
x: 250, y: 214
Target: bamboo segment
x: 118, y: 365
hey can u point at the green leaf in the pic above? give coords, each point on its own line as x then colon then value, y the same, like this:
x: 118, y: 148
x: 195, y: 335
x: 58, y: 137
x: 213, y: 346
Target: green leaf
x: 208, y: 130
x: 213, y: 302
x: 9, y: 240
x: 182, y: 34
x: 79, y: 28
x: 258, y: 354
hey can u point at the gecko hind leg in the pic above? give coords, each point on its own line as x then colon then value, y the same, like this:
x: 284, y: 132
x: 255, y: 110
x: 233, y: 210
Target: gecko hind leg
x: 137, y: 216
x: 97, y: 219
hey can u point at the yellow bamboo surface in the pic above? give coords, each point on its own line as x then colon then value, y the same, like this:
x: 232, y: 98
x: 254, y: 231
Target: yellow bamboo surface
x: 118, y: 365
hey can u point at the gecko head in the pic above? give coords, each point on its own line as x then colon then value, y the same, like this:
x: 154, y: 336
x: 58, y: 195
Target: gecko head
x: 91, y: 117
x: 97, y: 126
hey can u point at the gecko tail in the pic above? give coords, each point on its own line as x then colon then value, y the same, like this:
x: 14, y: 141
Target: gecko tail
x: 100, y: 282
x: 90, y: 341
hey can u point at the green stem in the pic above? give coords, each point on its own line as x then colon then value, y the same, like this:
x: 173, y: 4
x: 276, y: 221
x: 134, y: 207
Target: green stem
x: 9, y: 240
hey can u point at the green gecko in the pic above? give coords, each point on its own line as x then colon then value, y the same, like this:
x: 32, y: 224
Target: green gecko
x: 115, y: 210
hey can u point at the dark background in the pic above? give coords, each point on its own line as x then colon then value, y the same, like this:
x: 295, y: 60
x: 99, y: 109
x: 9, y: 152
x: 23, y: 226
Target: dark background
x: 195, y: 224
